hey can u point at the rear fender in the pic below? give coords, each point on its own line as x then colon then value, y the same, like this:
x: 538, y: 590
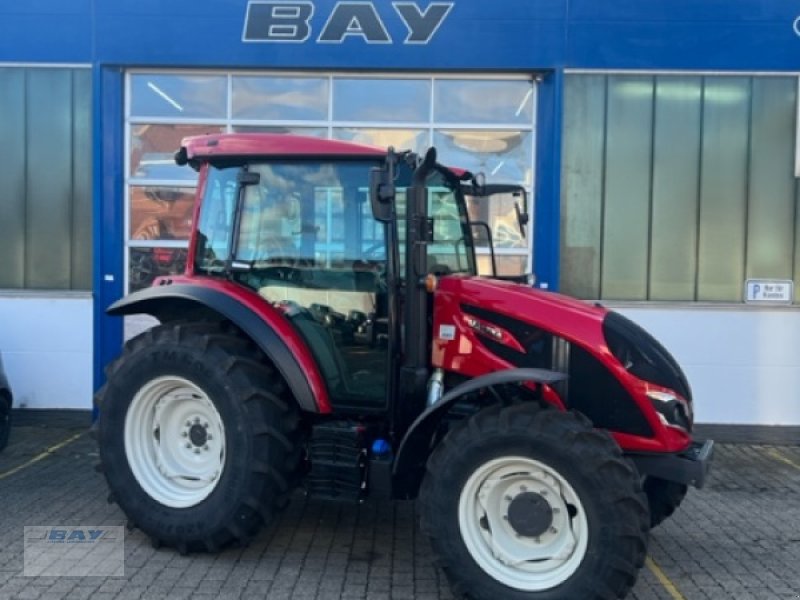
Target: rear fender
x: 416, y: 445
x: 265, y: 326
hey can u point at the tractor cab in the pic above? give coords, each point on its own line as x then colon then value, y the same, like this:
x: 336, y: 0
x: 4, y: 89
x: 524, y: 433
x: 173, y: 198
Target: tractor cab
x: 322, y: 242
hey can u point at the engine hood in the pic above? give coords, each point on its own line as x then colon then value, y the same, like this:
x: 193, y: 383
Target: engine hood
x: 565, y: 316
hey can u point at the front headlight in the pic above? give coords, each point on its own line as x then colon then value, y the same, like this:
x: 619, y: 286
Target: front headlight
x: 671, y: 410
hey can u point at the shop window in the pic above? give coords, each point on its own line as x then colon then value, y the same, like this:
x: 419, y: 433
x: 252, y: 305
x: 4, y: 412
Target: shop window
x: 416, y: 140
x: 502, y: 155
x: 309, y: 131
x: 179, y: 96
x: 279, y: 98
x: 45, y: 182
x: 492, y: 130
x: 387, y: 100
x: 153, y: 146
x: 677, y: 187
x: 160, y: 213
x: 465, y: 101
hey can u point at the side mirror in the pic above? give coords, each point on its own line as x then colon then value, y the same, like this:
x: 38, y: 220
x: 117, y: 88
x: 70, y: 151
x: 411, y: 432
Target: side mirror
x: 381, y: 194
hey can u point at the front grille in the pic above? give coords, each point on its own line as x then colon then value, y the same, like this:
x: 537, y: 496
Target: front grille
x: 642, y: 355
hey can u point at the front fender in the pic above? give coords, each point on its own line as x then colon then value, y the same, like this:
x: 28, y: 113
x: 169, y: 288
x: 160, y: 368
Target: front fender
x: 268, y: 331
x: 416, y: 444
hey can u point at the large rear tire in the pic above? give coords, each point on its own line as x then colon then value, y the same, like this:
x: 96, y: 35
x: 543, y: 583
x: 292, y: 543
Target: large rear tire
x: 527, y: 503
x: 198, y: 436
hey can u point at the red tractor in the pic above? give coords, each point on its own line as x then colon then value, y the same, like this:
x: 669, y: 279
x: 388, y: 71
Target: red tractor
x: 331, y: 331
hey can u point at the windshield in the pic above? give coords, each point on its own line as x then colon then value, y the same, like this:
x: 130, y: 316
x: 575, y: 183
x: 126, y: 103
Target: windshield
x: 319, y: 214
x: 313, y: 212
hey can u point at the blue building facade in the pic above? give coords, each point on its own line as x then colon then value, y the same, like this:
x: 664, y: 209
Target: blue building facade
x: 658, y: 140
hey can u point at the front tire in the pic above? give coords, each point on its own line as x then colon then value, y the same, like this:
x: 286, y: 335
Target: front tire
x: 198, y: 436
x: 664, y: 498
x: 527, y: 503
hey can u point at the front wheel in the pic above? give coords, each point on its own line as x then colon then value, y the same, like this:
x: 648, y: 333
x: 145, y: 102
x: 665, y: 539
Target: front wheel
x: 527, y: 503
x: 664, y: 497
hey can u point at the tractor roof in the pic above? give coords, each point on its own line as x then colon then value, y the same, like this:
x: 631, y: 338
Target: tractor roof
x: 221, y: 145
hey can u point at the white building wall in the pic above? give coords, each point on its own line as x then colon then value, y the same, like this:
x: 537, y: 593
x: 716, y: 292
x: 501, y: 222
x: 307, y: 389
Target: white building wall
x: 46, y: 341
x: 743, y: 363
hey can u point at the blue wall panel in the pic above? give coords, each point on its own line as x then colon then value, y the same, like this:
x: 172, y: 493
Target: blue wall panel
x: 503, y: 35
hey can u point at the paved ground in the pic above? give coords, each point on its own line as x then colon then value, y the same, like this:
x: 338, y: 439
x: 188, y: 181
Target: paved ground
x: 739, y: 538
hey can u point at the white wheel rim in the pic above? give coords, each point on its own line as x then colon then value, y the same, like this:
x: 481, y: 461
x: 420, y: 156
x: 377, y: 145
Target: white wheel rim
x: 174, y: 442
x: 522, y: 562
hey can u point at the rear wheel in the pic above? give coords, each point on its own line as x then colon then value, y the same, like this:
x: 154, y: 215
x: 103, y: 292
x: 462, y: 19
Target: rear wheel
x: 525, y: 503
x: 198, y: 436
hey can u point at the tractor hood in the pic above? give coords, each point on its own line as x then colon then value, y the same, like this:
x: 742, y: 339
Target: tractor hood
x: 564, y: 316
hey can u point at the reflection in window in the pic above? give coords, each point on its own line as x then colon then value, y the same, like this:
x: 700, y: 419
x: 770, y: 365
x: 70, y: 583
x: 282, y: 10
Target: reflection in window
x: 153, y: 147
x: 320, y: 132
x: 145, y: 264
x: 415, y: 140
x: 179, y: 96
x: 502, y: 155
x: 161, y: 213
x: 483, y: 101
x: 499, y: 213
x: 280, y: 98
x: 390, y: 100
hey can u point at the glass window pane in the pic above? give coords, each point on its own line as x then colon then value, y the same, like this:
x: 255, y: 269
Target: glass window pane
x: 12, y: 176
x: 415, y: 140
x: 49, y: 179
x: 627, y: 188
x: 81, y: 271
x: 280, y: 98
x: 153, y: 150
x: 582, y: 193
x: 502, y: 155
x: 487, y: 101
x: 321, y: 132
x: 723, y: 198
x: 161, y: 213
x: 771, y: 207
x: 389, y: 100
x: 145, y: 264
x: 498, y: 211
x: 179, y: 96
x: 673, y: 260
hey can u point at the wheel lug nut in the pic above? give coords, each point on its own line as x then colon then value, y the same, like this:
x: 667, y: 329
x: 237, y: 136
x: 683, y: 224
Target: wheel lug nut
x: 188, y: 445
x: 197, y: 420
x: 184, y: 434
x: 205, y: 447
x: 209, y: 437
x: 205, y: 425
x: 507, y: 498
x: 553, y: 530
x: 197, y: 450
x: 523, y: 488
x: 188, y: 423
